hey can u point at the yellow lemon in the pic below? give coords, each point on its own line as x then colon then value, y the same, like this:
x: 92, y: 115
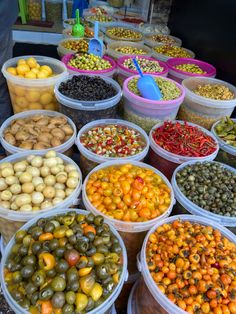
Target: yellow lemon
x: 19, y: 90
x: 46, y: 98
x: 30, y: 75
x: 46, y: 68
x: 38, y: 66
x: 50, y: 106
x: 21, y: 61
x: 35, y: 106
x: 32, y: 63
x: 12, y: 71
x: 22, y: 69
x: 21, y: 102
x: 42, y: 74
x: 32, y: 95
x: 35, y: 70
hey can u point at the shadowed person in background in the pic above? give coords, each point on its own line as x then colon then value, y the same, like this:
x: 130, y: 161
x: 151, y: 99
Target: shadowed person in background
x: 8, y: 15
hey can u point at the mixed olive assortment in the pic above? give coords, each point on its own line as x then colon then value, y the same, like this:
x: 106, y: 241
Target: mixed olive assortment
x: 214, y: 91
x: 146, y: 65
x: 36, y: 182
x: 190, y: 68
x: 226, y: 130
x: 209, y: 185
x: 38, y: 132
x: 87, y: 88
x: 129, y: 193
x: 173, y: 51
x: 69, y: 263
x: 129, y: 50
x: 79, y: 45
x: 89, y: 62
x: 123, y: 33
x: 161, y: 39
x: 169, y: 90
x: 194, y: 266
x: 104, y: 18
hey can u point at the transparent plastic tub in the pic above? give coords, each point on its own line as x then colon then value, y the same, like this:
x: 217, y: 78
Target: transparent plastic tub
x: 67, y: 34
x: 160, y: 28
x: 82, y: 112
x: 146, y: 113
x: 32, y: 94
x: 201, y: 110
x: 132, y: 233
x: 153, y: 43
x: 89, y: 160
x: 54, y: 10
x: 11, y: 221
x: 108, y: 72
x: 179, y: 75
x: 114, y: 38
x: 65, y: 148
x: 227, y: 153
x: 106, y: 307
x: 34, y: 9
x: 195, y: 209
x: 108, y: 41
x: 123, y: 73
x: 149, y: 298
x: 166, y: 161
x: 62, y: 51
x: 88, y: 18
x: 116, y: 55
x: 165, y: 58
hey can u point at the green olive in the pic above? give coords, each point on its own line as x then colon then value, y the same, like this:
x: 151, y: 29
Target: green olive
x: 27, y: 271
x: 70, y: 297
x: 68, y: 309
x: 49, y: 227
x: 46, y: 293
x: 62, y: 266
x: 30, y: 288
x: 58, y: 284
x: 98, y: 220
x: 20, y: 236
x: 29, y: 260
x: 102, y: 271
x: 58, y: 300
x: 38, y: 278
x: 17, y: 277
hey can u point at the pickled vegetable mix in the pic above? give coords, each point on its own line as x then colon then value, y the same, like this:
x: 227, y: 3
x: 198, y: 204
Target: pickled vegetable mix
x: 113, y: 141
x: 184, y: 139
x: 226, y: 130
x: 194, y: 266
x: 71, y: 262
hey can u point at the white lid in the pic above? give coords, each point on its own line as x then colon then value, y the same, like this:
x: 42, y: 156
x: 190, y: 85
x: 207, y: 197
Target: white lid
x: 98, y: 158
x: 106, y: 305
x: 26, y: 114
x: 72, y: 199
x: 160, y: 297
x: 178, y: 159
x: 195, y: 209
x: 123, y: 225
x: 223, y: 145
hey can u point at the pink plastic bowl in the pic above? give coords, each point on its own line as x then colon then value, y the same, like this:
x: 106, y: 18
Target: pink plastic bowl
x: 121, y: 60
x: 179, y: 75
x: 109, y: 71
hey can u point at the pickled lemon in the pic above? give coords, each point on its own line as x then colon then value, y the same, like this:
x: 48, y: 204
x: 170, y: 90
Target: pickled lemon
x: 46, y: 68
x: 12, y: 70
x: 46, y: 98
x: 32, y: 63
x: 22, y: 69
x: 50, y: 106
x: 21, y: 61
x: 30, y: 75
x: 35, y: 70
x: 35, y: 106
x: 38, y: 66
x: 19, y: 90
x: 21, y: 102
x: 42, y: 74
x: 32, y: 96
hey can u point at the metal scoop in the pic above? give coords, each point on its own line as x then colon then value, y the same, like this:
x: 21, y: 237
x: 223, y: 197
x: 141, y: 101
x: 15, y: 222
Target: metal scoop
x: 77, y: 29
x: 147, y: 85
x: 95, y: 44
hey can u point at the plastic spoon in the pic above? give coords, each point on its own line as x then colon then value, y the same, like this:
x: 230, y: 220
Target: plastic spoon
x: 77, y: 29
x: 95, y: 44
x: 147, y: 85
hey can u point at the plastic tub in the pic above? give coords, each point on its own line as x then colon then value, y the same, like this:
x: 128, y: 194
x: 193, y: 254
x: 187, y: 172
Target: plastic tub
x: 106, y: 307
x: 132, y: 233
x: 67, y: 34
x: 29, y: 94
x: 108, y: 41
x: 149, y: 298
x: 179, y: 75
x: 89, y: 160
x: 116, y: 55
x: 227, y: 153
x: 11, y: 221
x: 34, y: 9
x: 108, y: 72
x: 166, y: 161
x: 101, y: 24
x: 195, y: 209
x: 82, y: 112
x: 146, y: 113
x: 114, y: 38
x: 165, y: 58
x: 68, y: 23
x: 153, y: 43
x: 65, y: 148
x: 201, y: 110
x: 123, y: 72
x: 54, y: 10
x: 62, y: 51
